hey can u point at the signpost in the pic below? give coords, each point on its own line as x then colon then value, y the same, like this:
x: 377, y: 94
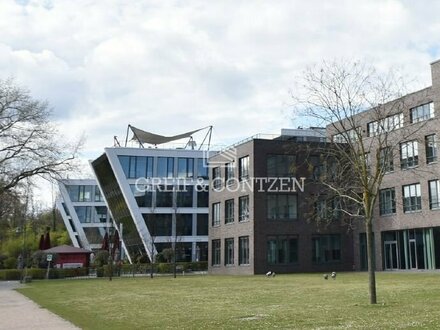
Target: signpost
x: 48, y: 259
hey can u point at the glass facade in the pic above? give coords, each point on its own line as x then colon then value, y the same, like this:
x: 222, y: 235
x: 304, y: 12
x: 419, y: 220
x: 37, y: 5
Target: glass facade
x: 282, y: 250
x: 136, y: 166
x: 326, y: 248
x: 165, y: 167
x: 281, y: 165
x: 281, y: 207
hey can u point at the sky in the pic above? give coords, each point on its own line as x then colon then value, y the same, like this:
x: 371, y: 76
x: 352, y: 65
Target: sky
x: 174, y: 66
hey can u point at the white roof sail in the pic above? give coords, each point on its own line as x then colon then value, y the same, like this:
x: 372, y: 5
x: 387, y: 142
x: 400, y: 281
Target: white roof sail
x: 151, y: 138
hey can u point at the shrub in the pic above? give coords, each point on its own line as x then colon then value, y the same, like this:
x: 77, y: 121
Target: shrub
x: 101, y: 258
x: 10, y: 274
x: 10, y: 263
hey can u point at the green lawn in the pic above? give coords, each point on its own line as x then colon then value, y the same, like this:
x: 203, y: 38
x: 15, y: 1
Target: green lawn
x: 406, y: 300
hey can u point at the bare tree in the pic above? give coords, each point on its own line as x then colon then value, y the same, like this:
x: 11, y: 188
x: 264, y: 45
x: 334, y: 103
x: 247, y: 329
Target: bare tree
x: 363, y: 143
x: 29, y: 143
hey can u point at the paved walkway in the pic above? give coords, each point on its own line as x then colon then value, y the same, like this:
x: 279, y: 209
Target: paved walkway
x: 19, y: 312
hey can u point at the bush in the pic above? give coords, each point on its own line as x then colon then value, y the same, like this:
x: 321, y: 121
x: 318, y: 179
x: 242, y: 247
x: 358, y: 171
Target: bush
x: 10, y: 263
x: 101, y: 258
x: 10, y: 275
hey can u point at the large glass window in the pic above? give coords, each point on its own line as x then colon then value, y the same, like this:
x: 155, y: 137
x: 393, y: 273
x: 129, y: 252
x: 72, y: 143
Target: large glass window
x: 282, y: 250
x: 281, y: 206
x: 243, y: 168
x: 280, y: 165
x: 216, y: 252
x: 165, y: 167
x: 409, y: 154
x: 326, y: 248
x: 387, y: 201
x: 216, y: 214
x: 202, y: 196
x: 185, y: 196
x: 387, y: 124
x: 315, y: 167
x: 229, y: 251
x: 159, y: 224
x: 434, y: 194
x: 243, y: 208
x: 202, y: 168
x: 229, y: 173
x: 184, y: 224
x: 100, y: 214
x: 229, y: 211
x: 84, y: 213
x: 185, y: 168
x: 143, y: 195
x: 202, y: 224
x: 347, y: 136
x: 243, y: 250
x: 136, y: 166
x: 386, y: 159
x: 216, y: 178
x: 164, y: 196
x: 422, y: 112
x: 412, y: 198
x: 431, y: 148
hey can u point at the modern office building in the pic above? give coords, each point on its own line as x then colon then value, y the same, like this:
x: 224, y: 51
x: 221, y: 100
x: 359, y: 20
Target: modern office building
x: 407, y: 218
x: 84, y: 212
x: 158, y: 195
x: 262, y: 208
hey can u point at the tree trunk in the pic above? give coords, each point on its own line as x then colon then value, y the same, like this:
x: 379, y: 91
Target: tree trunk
x: 371, y: 261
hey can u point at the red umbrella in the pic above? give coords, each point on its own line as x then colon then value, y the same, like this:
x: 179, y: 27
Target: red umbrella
x: 46, y: 243
x: 115, y: 243
x: 41, y: 244
x: 104, y: 245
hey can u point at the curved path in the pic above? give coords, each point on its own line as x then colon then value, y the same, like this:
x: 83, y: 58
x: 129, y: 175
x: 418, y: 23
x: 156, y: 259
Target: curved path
x: 19, y: 312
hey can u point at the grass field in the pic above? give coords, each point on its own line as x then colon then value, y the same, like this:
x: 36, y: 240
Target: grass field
x: 303, y: 301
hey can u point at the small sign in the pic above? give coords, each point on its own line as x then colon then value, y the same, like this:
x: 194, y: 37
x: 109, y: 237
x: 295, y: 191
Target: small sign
x: 49, y: 257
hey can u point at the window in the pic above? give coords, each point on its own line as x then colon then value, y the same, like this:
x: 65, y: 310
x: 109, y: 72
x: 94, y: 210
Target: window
x: 184, y: 197
x: 84, y: 213
x: 136, y: 166
x: 422, y: 112
x: 184, y: 224
x: 243, y: 208
x: 412, y: 198
x: 431, y: 148
x: 229, y: 251
x: 202, y: 225
x: 202, y: 196
x: 229, y: 173
x: 282, y: 250
x: 143, y: 196
x: 164, y: 196
x: 216, y: 214
x: 386, y: 160
x: 185, y: 167
x: 243, y: 168
x: 347, y: 136
x: 326, y: 248
x: 243, y: 250
x: 165, y: 167
x: 316, y: 168
x: 409, y: 154
x: 216, y: 178
x: 158, y: 224
x: 202, y: 168
x: 387, y: 201
x: 434, y: 194
x: 281, y: 206
x: 387, y: 124
x: 80, y: 193
x: 280, y: 165
x: 98, y: 195
x: 216, y: 251
x: 229, y: 211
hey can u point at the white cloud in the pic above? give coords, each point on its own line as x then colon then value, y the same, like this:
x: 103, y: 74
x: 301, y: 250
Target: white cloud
x: 172, y: 66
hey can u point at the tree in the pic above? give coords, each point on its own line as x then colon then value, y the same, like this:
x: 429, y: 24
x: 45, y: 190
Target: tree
x: 29, y: 143
x: 345, y: 98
